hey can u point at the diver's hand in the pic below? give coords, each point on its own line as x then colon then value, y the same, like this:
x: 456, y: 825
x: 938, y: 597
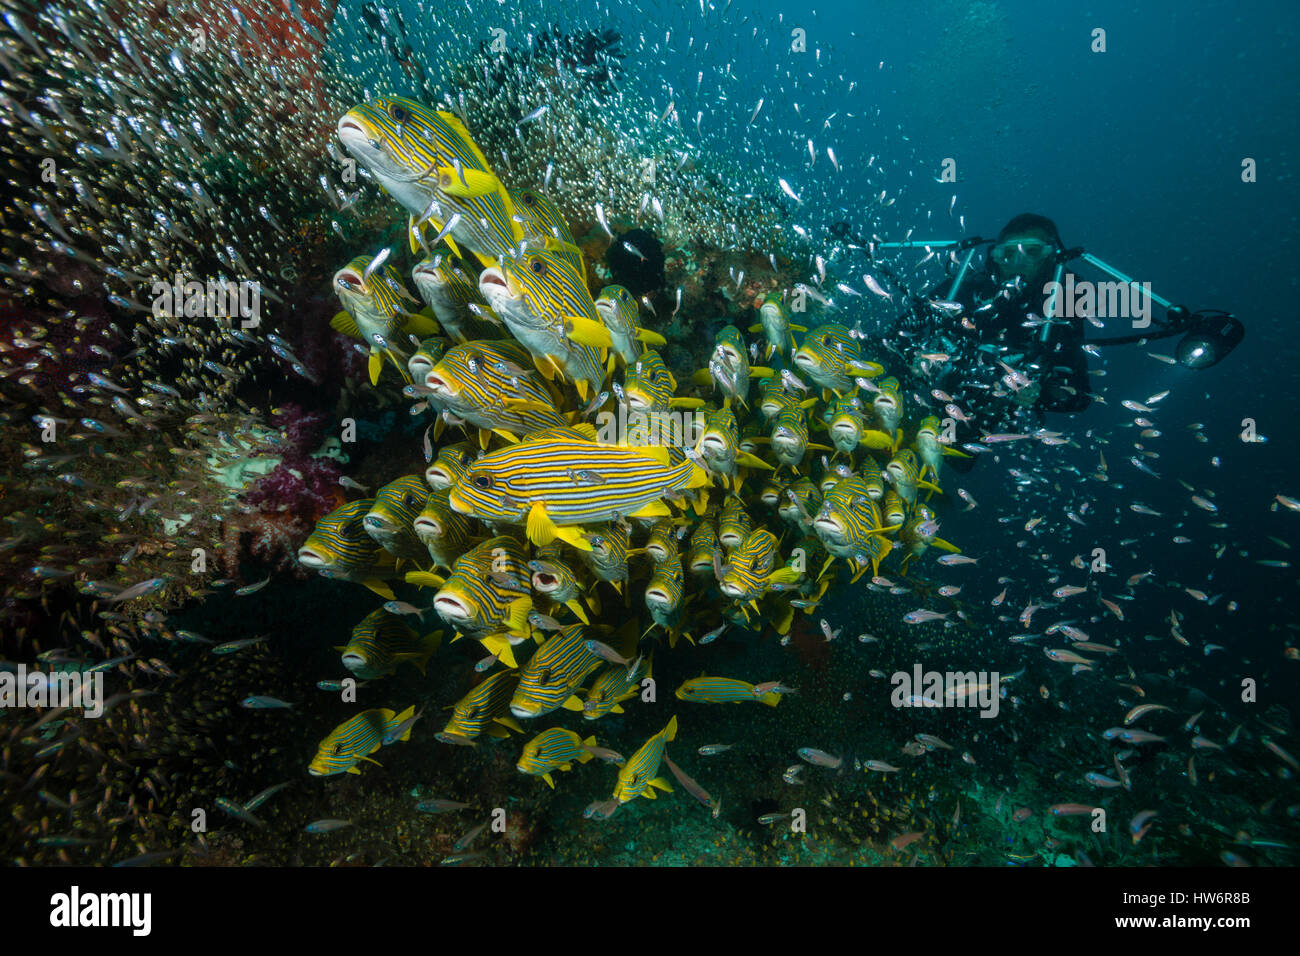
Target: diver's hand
x: 1025, y: 397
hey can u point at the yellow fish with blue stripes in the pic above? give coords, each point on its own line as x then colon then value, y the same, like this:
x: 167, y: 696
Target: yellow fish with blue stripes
x: 725, y: 690
x: 614, y: 685
x: 553, y: 675
x: 382, y: 641
x: 355, y: 740
x: 639, y: 777
x: 484, y: 710
x: 374, y: 311
x: 544, y: 302
x: 555, y: 482
x: 339, y: 547
x: 485, y: 596
x: 830, y: 357
x: 427, y: 160
x: 551, y: 750
x: 457, y: 304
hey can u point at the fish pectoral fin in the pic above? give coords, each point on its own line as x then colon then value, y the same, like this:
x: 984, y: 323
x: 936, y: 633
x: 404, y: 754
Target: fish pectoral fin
x: 475, y: 183
x: 928, y: 486
x: 655, y: 509
x: 517, y: 615
x: 420, y: 325
x: 508, y: 437
x: 943, y: 545
x: 702, y: 377
x: 587, y: 332
x: 508, y: 721
x: 691, y: 403
x: 540, y: 528
x: 876, y: 439
x: 865, y: 369
x: 549, y: 782
x: 484, y: 437
x: 760, y: 371
x: 660, y: 783
x: 380, y: 588
x: 342, y: 322
x: 756, y: 327
x: 784, y: 576
x: 750, y: 461
x: 798, y: 328
x: 573, y: 703
x: 576, y: 607
x: 425, y: 579
x: 953, y: 452
x: 647, y: 337
x: 375, y: 366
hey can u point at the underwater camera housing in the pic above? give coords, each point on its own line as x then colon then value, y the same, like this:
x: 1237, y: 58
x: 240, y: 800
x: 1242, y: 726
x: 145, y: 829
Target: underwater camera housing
x: 1211, y: 336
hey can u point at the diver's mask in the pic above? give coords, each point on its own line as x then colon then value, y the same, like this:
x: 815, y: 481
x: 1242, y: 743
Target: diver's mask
x: 1023, y: 257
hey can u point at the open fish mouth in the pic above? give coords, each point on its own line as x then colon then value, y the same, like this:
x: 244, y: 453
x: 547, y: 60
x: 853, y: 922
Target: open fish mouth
x: 828, y: 524
x: 520, y: 710
x: 354, y: 662
x: 731, y: 589
x: 451, y: 608
x: 426, y: 527
x: 804, y: 360
x: 310, y: 559
x: 658, y: 597
x: 544, y: 582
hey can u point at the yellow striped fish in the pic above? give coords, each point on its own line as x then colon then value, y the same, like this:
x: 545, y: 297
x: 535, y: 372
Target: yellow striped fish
x: 830, y: 357
x: 391, y: 518
x: 663, y: 597
x: 749, y: 572
x: 450, y: 465
x: 799, y: 502
x: 724, y: 690
x: 486, y: 595
x: 354, y: 740
x: 451, y: 294
x: 553, y: 675
x: 485, y: 709
x: 774, y: 322
x: 618, y: 311
x: 445, y: 534
x: 930, y: 449
x: 541, y: 298
x: 382, y: 641
x: 848, y: 523
x: 734, y: 524
x: 906, y: 477
x: 719, y: 448
x: 607, y: 559
x: 541, y: 217
x: 703, y: 549
x: 555, y: 580
x: 648, y: 386
x: 427, y: 161
x: 919, y: 532
x: 340, y: 548
x: 551, y: 750
x: 553, y: 483
x: 375, y: 311
x: 729, y: 369
x: 426, y: 357
x: 614, y: 685
x: 639, y: 776
x: 483, y: 383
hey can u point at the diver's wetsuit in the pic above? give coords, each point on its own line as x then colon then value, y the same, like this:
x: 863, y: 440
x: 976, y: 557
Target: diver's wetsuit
x: 972, y: 374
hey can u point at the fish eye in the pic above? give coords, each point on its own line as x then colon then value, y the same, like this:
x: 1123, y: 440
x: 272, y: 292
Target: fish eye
x: 481, y: 481
x: 530, y: 199
x: 538, y: 266
x: 411, y: 501
x: 398, y: 113
x: 826, y: 340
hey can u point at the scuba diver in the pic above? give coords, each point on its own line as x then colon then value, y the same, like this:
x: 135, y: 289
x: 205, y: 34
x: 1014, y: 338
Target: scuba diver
x: 1011, y: 349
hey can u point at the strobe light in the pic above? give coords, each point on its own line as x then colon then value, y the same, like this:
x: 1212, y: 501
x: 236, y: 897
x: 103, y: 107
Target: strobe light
x: 1211, y: 338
